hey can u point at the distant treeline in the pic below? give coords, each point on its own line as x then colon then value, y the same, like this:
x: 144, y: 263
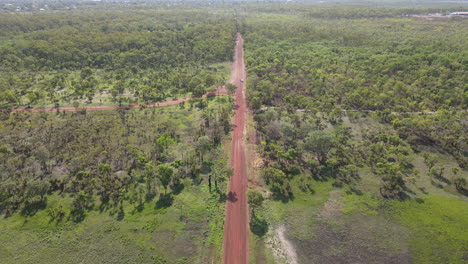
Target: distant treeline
x: 57, y: 57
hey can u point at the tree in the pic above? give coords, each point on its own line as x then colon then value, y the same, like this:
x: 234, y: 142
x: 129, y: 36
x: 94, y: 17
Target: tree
x: 107, y: 185
x: 278, y: 182
x: 202, y: 146
x: 392, y: 177
x: 150, y: 176
x: 460, y: 183
x: 220, y: 170
x: 198, y: 91
x: 32, y: 98
x: 37, y: 188
x: 8, y: 100
x: 210, y: 80
x: 42, y: 154
x: 79, y: 205
x: 255, y: 200
x: 437, y: 172
x: 165, y: 140
x: 196, y: 86
x: 231, y: 88
x: 429, y: 159
x: 165, y: 174
x: 104, y: 169
x: 320, y: 143
x: 81, y: 201
x: 455, y: 171
x: 86, y: 73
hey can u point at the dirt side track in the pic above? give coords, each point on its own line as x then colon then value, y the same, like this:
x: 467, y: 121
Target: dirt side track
x: 220, y: 91
x: 236, y: 222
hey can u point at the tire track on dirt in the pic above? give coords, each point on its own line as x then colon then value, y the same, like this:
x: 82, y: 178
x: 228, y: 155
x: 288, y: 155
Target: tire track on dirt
x: 236, y: 221
x: 220, y: 91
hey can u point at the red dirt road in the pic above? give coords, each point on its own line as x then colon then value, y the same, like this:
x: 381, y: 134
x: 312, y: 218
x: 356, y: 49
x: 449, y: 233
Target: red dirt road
x: 220, y: 91
x: 236, y: 222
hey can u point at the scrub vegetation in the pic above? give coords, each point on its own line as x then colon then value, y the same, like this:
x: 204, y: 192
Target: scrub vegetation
x: 360, y: 117
x: 136, y: 184
x: 126, y: 185
x: 111, y: 55
x: 357, y: 131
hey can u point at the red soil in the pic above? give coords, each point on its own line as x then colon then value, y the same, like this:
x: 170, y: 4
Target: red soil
x: 236, y: 222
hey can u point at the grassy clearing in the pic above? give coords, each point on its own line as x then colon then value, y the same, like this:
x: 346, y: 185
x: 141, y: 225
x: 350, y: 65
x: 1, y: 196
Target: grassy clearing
x: 436, y: 224
x: 331, y: 225
x: 321, y: 233
x: 438, y: 228
x: 431, y: 220
x: 281, y: 213
x: 184, y: 232
x: 430, y: 229
x: 297, y: 215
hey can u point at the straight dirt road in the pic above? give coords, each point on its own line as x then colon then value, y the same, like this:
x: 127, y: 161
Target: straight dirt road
x: 236, y: 222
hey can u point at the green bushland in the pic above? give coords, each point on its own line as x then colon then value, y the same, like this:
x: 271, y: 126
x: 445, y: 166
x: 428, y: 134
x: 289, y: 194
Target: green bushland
x: 126, y: 186
x: 399, y: 63
x: 112, y: 55
x: 360, y: 116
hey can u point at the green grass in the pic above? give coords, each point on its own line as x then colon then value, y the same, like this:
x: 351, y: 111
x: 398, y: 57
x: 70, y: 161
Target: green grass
x: 280, y: 212
x: 363, y: 204
x: 436, y: 224
x: 438, y: 228
x: 435, y: 218
x: 187, y: 230
x: 298, y: 214
x: 259, y: 253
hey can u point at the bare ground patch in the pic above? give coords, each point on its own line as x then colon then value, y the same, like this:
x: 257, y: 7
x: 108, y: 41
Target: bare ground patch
x: 282, y: 248
x: 332, y: 208
x: 360, y: 239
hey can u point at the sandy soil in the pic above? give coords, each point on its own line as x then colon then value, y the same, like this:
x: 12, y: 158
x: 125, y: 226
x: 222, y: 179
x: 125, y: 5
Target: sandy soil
x: 287, y: 245
x: 236, y: 222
